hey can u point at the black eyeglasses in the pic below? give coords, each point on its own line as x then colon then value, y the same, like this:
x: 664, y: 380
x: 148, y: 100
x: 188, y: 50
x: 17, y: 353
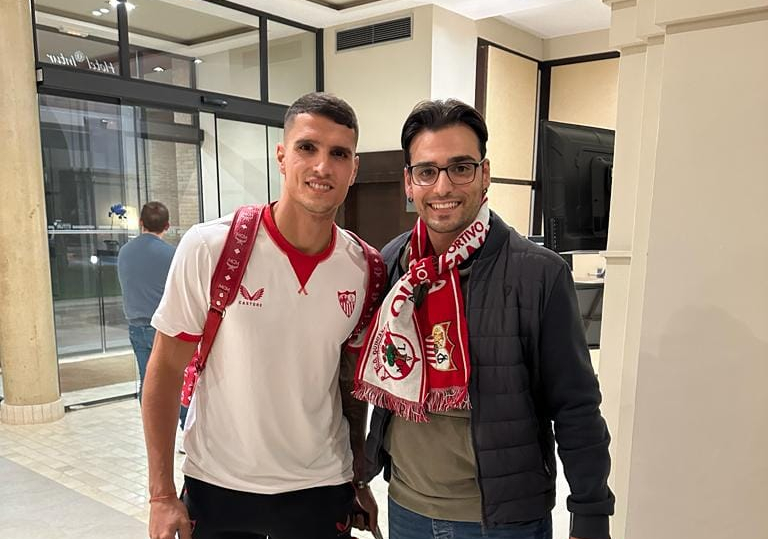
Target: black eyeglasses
x: 459, y: 173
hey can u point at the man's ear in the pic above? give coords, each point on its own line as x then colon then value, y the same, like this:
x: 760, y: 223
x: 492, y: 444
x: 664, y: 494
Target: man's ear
x: 167, y: 226
x: 486, y: 173
x: 407, y: 185
x: 280, y: 154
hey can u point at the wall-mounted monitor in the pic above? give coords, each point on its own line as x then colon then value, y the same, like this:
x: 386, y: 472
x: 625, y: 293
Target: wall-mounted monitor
x: 576, y: 165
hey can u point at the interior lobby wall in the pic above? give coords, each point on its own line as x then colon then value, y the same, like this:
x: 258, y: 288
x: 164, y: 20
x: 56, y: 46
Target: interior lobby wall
x: 585, y: 93
x: 510, y: 111
x: 685, y: 352
x: 454, y: 58
x: 510, y: 37
x: 704, y: 343
x: 582, y: 44
x: 382, y: 82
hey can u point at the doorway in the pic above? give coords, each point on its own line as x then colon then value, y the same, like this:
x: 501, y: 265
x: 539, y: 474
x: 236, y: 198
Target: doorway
x: 101, y: 162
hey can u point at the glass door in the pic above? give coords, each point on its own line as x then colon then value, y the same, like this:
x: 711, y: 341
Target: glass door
x: 239, y: 164
x: 101, y: 163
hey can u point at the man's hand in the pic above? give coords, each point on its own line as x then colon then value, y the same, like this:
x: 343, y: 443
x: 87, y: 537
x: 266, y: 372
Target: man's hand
x: 367, y: 503
x: 166, y: 517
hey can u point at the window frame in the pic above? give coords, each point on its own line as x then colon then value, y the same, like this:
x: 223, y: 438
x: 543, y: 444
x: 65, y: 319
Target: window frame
x: 79, y: 83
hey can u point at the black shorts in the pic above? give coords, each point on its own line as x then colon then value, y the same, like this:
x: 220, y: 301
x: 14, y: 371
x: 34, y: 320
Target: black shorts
x: 315, y: 513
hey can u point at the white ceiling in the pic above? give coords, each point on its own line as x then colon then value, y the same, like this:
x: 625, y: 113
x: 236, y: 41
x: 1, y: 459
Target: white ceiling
x: 543, y: 18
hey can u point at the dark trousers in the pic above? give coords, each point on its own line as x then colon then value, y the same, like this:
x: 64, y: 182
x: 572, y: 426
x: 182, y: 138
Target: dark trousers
x: 315, y: 513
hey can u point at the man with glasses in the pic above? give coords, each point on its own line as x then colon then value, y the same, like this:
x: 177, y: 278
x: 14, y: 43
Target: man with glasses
x: 477, y: 350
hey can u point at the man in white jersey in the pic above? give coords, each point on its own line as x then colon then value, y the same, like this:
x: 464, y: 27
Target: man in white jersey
x: 274, y: 441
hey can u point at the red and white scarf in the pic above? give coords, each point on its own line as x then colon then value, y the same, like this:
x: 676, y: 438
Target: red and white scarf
x: 415, y: 358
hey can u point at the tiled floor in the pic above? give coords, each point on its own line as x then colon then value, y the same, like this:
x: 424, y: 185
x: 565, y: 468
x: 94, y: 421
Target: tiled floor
x: 99, y: 452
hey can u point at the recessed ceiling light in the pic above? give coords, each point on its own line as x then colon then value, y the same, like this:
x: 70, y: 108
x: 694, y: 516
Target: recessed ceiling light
x: 72, y: 32
x: 104, y: 10
x: 198, y: 61
x: 96, y: 13
x: 158, y: 69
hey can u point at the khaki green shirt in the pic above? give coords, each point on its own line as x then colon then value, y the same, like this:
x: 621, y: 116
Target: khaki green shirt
x: 433, y: 464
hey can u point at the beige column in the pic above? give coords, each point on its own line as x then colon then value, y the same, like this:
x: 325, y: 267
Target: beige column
x: 27, y: 345
x: 685, y: 333
x: 641, y: 46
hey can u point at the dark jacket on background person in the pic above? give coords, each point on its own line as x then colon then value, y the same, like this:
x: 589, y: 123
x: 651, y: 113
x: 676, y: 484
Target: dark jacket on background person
x: 530, y: 366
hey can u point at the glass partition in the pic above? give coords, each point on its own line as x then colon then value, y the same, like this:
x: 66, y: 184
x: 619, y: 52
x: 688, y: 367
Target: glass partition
x: 292, y: 60
x: 239, y: 164
x: 101, y: 163
x: 78, y: 34
x: 198, y: 45
x: 203, y: 46
x: 168, y: 163
x: 274, y: 136
x: 247, y: 170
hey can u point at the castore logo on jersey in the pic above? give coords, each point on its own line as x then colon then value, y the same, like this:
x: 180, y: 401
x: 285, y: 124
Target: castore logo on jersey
x: 250, y: 300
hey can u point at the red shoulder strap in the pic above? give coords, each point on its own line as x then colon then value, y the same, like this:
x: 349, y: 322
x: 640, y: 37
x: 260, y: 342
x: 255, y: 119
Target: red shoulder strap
x: 229, y: 271
x: 374, y: 293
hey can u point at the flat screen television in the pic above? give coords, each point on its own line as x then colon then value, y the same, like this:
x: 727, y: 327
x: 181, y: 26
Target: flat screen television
x: 576, y: 165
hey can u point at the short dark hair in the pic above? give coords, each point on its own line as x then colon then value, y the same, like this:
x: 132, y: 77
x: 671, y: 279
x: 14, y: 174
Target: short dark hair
x: 154, y: 217
x: 437, y: 114
x: 322, y: 104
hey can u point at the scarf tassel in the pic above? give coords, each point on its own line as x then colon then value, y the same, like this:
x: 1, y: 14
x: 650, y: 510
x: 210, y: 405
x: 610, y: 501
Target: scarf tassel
x: 412, y: 411
x: 448, y: 398
x: 438, y: 400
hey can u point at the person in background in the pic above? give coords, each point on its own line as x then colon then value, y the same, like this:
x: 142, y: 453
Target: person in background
x: 476, y: 352
x: 142, y: 268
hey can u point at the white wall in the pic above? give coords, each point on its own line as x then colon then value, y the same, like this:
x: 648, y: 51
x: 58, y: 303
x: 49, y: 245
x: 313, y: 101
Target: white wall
x: 684, y: 374
x: 704, y: 344
x: 382, y: 82
x: 576, y: 45
x: 585, y: 93
x: 510, y: 37
x: 454, y: 43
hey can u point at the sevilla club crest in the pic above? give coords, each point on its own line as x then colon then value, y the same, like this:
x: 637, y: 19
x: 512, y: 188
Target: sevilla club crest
x: 439, y: 348
x: 347, y: 299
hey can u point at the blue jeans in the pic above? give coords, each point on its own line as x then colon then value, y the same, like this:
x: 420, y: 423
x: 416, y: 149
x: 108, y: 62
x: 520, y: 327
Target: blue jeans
x: 141, y: 338
x: 405, y: 524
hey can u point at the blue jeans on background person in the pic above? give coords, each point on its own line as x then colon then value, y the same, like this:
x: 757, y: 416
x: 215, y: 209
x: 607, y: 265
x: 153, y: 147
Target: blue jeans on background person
x: 405, y: 524
x: 141, y: 338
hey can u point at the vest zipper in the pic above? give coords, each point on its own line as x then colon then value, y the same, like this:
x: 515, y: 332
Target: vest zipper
x: 483, y: 517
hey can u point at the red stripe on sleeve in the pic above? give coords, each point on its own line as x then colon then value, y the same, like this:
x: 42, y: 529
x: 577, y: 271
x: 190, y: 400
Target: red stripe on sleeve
x: 188, y: 338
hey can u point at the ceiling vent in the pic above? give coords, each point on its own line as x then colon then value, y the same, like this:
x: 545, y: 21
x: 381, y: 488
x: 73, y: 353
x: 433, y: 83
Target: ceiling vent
x: 372, y: 34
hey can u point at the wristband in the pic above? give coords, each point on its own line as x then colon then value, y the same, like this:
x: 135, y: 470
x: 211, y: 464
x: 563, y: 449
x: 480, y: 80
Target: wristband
x: 360, y: 485
x: 161, y: 497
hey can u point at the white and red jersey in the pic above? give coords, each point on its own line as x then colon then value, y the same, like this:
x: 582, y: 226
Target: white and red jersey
x: 266, y: 414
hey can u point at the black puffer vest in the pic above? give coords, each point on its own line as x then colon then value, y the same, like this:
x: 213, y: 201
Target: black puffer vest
x: 530, y: 367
